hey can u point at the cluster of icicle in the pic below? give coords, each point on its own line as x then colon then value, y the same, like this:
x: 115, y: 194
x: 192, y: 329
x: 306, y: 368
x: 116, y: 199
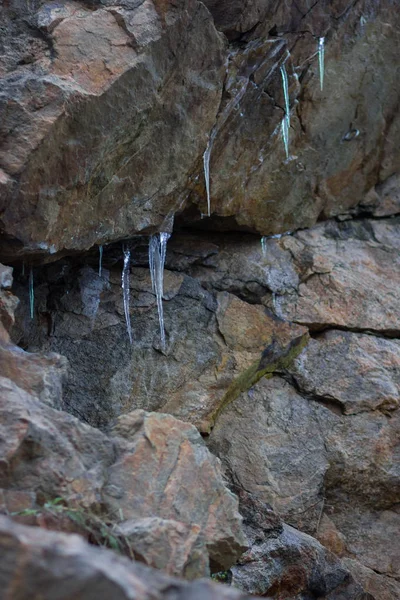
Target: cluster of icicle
x: 158, y: 243
x: 157, y: 254
x: 285, y: 125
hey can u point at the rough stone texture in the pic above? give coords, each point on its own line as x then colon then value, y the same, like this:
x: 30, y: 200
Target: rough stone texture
x: 6, y: 278
x: 8, y: 303
x: 64, y: 567
x: 271, y: 440
x: 349, y: 276
x: 49, y: 453
x: 381, y: 587
x: 358, y: 372
x: 108, y: 107
x: 294, y: 565
x: 173, y: 547
x: 157, y: 467
x: 106, y: 110
x: 330, y: 167
x: 165, y: 469
x: 38, y: 374
x: 210, y: 335
x: 335, y: 476
x: 384, y: 199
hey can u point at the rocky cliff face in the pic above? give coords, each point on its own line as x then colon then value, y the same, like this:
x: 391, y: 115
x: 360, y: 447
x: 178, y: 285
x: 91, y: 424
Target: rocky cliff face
x: 262, y: 439
x: 107, y: 109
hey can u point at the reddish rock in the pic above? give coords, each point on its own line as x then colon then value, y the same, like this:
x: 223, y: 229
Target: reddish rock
x: 175, y: 548
x: 164, y: 469
x: 105, y: 120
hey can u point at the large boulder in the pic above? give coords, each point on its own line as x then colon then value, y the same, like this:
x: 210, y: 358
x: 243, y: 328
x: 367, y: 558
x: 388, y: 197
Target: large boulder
x: 106, y: 109
x: 153, y: 466
x: 174, y: 547
x: 49, y: 453
x: 109, y: 108
x: 357, y: 372
x: 348, y: 275
x: 164, y: 469
x: 294, y: 565
x: 58, y: 566
x: 333, y: 475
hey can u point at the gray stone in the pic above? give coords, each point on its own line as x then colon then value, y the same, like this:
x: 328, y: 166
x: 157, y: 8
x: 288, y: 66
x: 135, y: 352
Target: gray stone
x: 64, y: 567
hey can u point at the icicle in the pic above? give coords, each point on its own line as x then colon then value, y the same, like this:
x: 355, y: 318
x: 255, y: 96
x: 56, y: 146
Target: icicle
x: 321, y: 60
x: 100, y: 260
x: 157, y: 254
x: 164, y: 237
x: 285, y: 85
x: 217, y: 127
x: 264, y: 246
x: 153, y: 249
x: 286, y: 118
x: 206, y: 163
x: 31, y: 294
x: 285, y: 134
x: 126, y: 291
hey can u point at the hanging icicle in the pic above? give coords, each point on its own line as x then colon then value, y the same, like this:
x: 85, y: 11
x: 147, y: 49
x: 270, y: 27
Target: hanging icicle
x: 31, y: 294
x: 264, y: 246
x: 100, y: 260
x: 285, y: 85
x: 321, y: 61
x: 206, y: 164
x: 286, y: 118
x: 126, y: 290
x: 157, y: 254
x: 285, y: 134
x: 216, y: 129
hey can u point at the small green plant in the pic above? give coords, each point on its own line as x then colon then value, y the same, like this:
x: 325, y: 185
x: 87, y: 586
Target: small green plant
x: 222, y: 577
x: 99, y: 530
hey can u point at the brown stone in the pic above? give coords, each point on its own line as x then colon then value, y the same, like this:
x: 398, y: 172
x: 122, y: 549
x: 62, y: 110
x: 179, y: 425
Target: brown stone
x: 173, y: 547
x: 165, y: 469
x: 348, y: 279
x: 105, y: 120
x: 49, y: 453
x: 108, y: 111
x: 294, y: 565
x: 333, y: 475
x: 358, y: 372
x: 381, y: 587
